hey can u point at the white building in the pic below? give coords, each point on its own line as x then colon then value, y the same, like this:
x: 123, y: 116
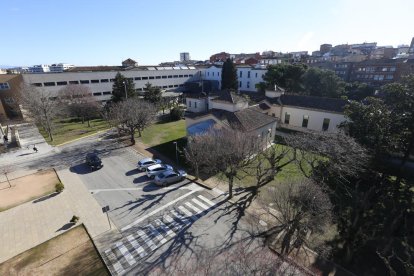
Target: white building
x: 184, y: 57
x: 41, y: 68
x: 60, y: 67
x: 100, y: 78
x: 248, y: 76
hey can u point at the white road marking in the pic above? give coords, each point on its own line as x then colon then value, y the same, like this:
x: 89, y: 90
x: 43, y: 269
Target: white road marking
x: 115, y: 263
x: 205, y: 207
x: 125, y: 189
x: 136, y: 246
x: 188, y: 213
x: 165, y: 228
x: 171, y: 221
x: 157, y: 234
x: 179, y: 216
x: 191, y: 206
x: 209, y: 202
x: 160, y: 209
x: 147, y: 240
x: 124, y: 251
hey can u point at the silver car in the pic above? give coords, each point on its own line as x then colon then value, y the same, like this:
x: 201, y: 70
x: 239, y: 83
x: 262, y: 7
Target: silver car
x: 169, y: 177
x: 154, y: 170
x: 146, y: 162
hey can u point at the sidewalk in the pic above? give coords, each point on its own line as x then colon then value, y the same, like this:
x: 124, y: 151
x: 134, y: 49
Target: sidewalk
x: 30, y: 224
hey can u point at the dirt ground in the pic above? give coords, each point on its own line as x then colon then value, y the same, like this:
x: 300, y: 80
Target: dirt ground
x: 26, y: 188
x: 71, y: 253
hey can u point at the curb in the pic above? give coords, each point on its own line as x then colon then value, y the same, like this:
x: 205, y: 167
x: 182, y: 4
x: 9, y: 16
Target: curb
x: 80, y: 138
x: 199, y: 182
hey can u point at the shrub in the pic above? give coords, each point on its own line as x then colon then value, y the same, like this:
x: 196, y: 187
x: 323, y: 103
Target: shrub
x: 176, y: 113
x: 74, y: 219
x: 59, y: 187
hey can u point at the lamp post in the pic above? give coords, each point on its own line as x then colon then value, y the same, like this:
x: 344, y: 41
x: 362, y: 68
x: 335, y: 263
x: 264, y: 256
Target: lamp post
x: 176, y: 152
x: 125, y: 87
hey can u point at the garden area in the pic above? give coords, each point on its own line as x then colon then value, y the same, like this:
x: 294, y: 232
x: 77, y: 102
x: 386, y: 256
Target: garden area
x: 66, y: 130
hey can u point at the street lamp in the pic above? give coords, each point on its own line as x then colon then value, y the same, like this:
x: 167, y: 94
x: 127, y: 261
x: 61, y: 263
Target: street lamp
x: 176, y: 152
x: 125, y: 87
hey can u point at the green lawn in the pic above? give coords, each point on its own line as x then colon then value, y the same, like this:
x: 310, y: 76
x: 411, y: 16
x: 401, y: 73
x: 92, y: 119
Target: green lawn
x: 163, y: 132
x: 69, y: 129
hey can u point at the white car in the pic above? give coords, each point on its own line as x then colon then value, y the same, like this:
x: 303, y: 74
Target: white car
x: 169, y: 177
x: 146, y: 162
x: 154, y: 170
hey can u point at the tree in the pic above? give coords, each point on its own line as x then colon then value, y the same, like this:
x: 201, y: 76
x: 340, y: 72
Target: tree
x: 176, y: 113
x: 322, y: 83
x: 226, y: 151
x: 152, y: 94
x: 41, y: 105
x: 79, y: 102
x: 358, y: 91
x: 131, y: 115
x: 229, y: 76
x: 303, y: 212
x: 287, y: 76
x: 122, y: 88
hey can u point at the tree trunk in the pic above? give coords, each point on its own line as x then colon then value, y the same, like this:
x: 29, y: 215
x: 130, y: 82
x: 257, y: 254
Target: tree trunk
x: 89, y: 123
x: 132, y: 132
x: 231, y: 179
x: 83, y: 119
x: 139, y: 132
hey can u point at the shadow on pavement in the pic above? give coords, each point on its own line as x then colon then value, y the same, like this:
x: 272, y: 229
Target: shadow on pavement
x: 151, y: 187
x: 140, y: 179
x: 66, y: 226
x: 24, y: 154
x: 81, y: 169
x: 132, y: 172
x: 45, y: 197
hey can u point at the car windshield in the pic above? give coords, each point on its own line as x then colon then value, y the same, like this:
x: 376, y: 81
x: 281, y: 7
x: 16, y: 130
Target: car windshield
x: 161, y: 175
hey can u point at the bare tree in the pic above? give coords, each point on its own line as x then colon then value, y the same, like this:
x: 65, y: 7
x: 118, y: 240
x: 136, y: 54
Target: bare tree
x: 302, y: 212
x: 79, y: 102
x: 226, y: 151
x: 7, y: 170
x: 41, y: 105
x: 131, y: 115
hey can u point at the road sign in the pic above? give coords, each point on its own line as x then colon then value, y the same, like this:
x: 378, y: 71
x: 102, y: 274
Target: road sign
x: 105, y: 209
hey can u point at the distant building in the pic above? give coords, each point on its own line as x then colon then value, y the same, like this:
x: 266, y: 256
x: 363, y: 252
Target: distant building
x: 184, y: 57
x: 129, y: 63
x: 412, y: 46
x: 219, y: 57
x: 324, y: 48
x: 41, y: 68
x: 9, y: 91
x: 60, y: 67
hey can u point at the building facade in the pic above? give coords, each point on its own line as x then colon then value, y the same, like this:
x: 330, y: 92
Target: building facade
x: 100, y: 79
x: 184, y: 57
x: 9, y: 93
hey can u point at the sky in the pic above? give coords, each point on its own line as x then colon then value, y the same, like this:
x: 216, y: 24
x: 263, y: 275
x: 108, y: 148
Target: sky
x: 105, y: 32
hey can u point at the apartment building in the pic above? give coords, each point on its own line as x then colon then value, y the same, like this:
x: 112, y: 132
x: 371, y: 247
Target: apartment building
x: 100, y: 78
x: 248, y: 76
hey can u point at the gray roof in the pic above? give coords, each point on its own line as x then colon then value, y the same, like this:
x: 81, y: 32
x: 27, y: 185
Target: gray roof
x: 228, y: 97
x: 320, y: 103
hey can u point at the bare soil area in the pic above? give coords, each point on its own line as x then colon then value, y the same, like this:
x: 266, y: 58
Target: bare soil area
x: 23, y: 189
x: 71, y: 253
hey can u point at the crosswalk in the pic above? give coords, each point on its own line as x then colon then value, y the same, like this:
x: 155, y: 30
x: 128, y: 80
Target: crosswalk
x: 126, y: 252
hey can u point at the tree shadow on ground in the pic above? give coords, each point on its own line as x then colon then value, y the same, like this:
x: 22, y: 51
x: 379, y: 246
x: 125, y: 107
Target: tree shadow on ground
x: 66, y: 226
x: 152, y: 199
x: 132, y: 172
x: 45, y: 197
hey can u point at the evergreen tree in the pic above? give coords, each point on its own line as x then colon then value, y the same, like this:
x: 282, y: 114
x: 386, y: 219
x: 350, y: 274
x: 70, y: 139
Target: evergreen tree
x: 229, y: 76
x: 118, y: 88
x: 152, y: 94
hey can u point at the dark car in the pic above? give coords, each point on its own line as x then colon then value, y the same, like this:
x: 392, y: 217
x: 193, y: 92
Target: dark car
x: 93, y: 161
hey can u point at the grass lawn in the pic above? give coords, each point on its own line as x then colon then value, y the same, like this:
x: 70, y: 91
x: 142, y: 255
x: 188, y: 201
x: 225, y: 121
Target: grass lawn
x: 69, y: 129
x: 71, y: 253
x: 162, y: 132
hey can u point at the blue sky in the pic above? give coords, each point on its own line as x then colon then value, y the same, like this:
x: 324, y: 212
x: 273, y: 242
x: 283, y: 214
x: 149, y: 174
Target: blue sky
x: 97, y: 32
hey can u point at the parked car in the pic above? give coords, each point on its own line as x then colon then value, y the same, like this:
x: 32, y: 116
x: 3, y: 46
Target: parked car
x: 154, y: 170
x: 146, y: 162
x: 169, y: 177
x: 93, y: 161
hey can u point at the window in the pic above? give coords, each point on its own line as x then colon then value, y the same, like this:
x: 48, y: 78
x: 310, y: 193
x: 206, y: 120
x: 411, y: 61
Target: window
x: 61, y: 83
x: 208, y: 74
x: 94, y: 81
x: 97, y: 94
x: 241, y: 74
x: 185, y: 76
x: 112, y: 80
x: 104, y: 80
x: 144, y: 78
x: 218, y: 74
x: 170, y: 77
x: 240, y: 85
x: 189, y: 103
x: 9, y: 100
x: 164, y: 77
x: 287, y: 118
x: 175, y: 76
x: 137, y: 78
x: 151, y: 77
x: 190, y: 75
x: 248, y: 74
x: 170, y: 86
x: 48, y: 84
x: 325, y: 125
x: 256, y: 75
x: 180, y: 76
x: 107, y: 93
x: 84, y: 81
x: 195, y: 104
x: 213, y: 74
x: 4, y: 86
x: 35, y: 84
x: 248, y: 84
x: 157, y: 77
x: 305, y: 121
